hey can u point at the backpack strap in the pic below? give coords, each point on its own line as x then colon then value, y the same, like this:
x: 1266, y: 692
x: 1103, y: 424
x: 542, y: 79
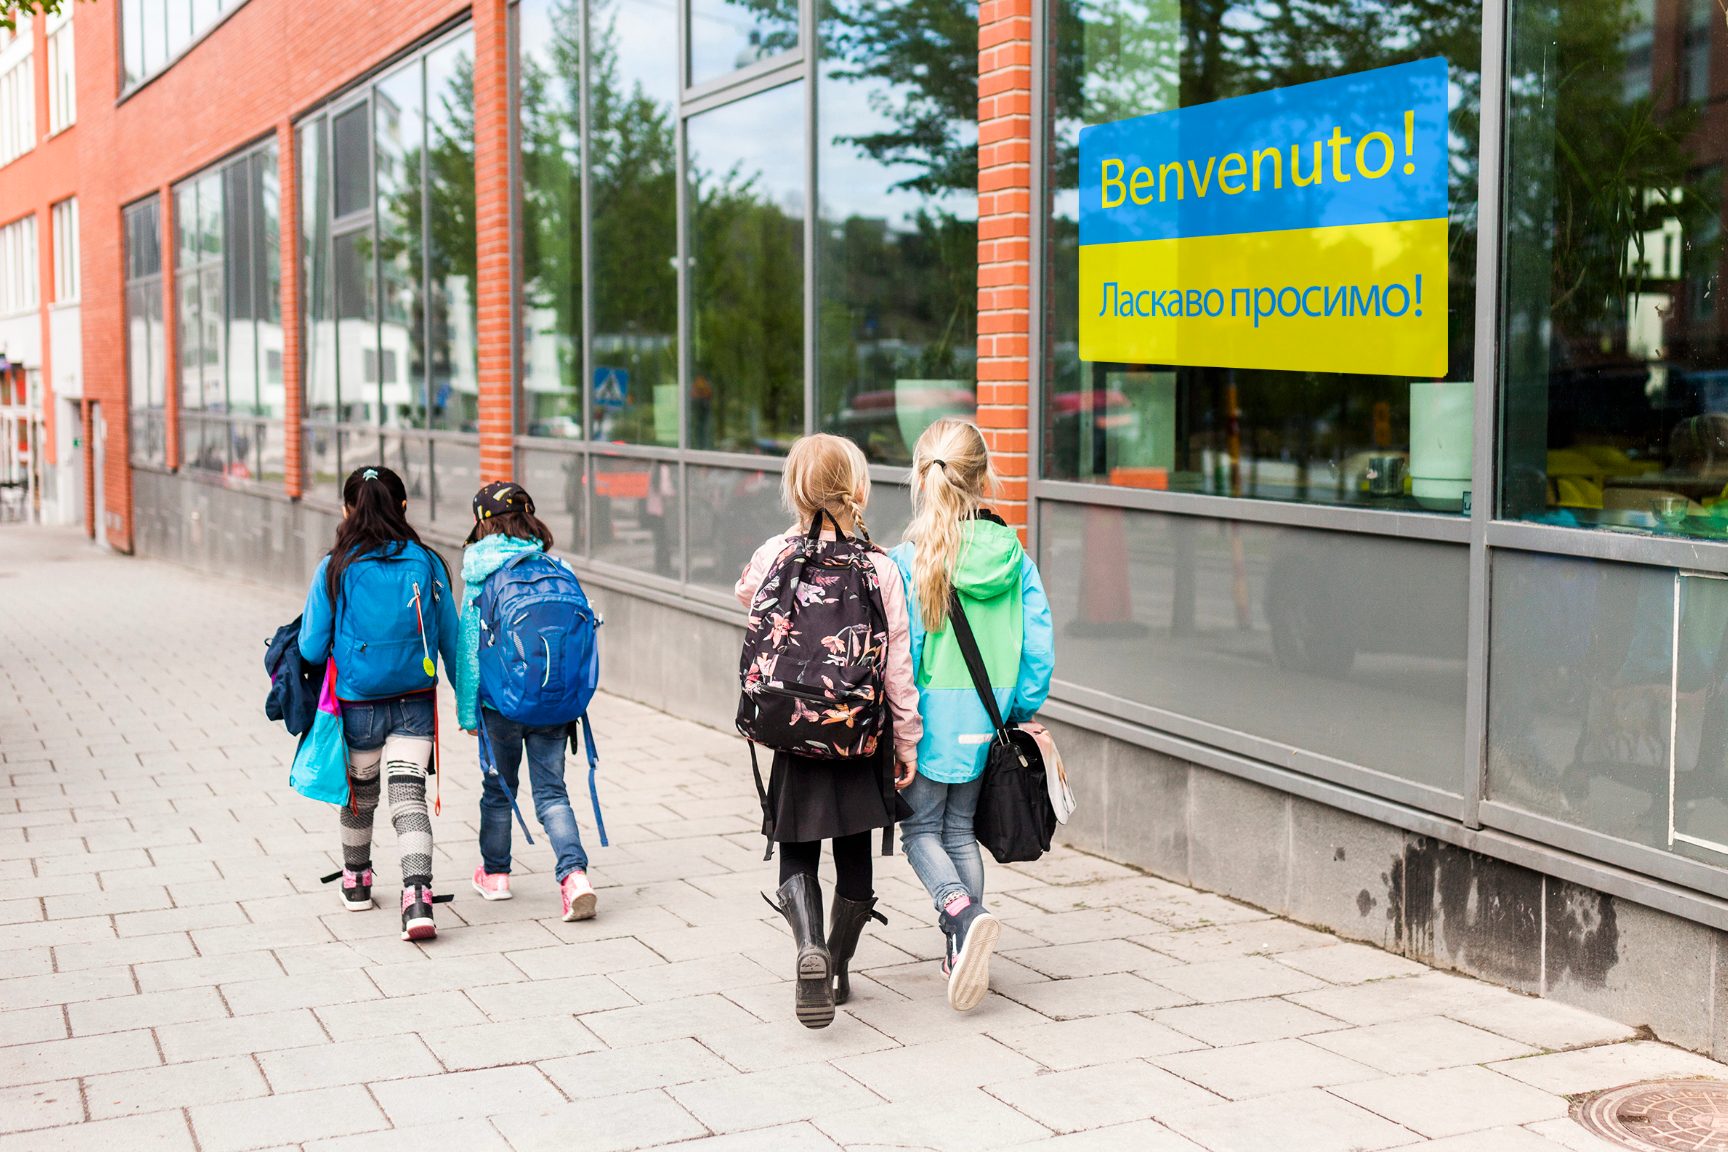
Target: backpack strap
x: 593, y: 767
x: 762, y: 794
x: 975, y: 663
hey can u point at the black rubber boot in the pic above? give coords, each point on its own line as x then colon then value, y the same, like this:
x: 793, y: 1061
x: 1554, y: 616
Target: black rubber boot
x: 844, y: 927
x: 801, y: 903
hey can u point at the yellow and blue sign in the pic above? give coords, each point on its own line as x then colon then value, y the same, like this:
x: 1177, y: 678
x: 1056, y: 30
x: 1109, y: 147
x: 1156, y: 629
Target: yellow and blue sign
x: 1301, y: 229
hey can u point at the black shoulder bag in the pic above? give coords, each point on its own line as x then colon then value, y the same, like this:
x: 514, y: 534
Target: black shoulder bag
x: 1015, y: 820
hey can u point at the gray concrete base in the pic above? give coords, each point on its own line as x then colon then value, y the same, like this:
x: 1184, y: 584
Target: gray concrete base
x: 1410, y: 894
x: 1360, y: 878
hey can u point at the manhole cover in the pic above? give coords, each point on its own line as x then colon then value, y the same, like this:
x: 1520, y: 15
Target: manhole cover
x: 1660, y: 1115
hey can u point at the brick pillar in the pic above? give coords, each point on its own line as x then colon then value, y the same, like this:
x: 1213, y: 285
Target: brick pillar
x: 287, y: 164
x: 492, y: 227
x: 1005, y: 242
x: 170, y: 332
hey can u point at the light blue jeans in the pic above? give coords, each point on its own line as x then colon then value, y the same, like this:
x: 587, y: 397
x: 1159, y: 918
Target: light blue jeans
x: 939, y: 841
x: 545, y: 747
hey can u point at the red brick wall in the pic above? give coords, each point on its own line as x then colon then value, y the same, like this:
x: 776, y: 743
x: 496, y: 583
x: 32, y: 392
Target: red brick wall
x: 1004, y: 241
x: 250, y: 77
x: 492, y: 216
x: 287, y: 168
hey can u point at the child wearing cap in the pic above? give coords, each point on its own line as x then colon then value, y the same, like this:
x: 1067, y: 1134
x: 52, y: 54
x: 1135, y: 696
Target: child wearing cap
x: 505, y: 527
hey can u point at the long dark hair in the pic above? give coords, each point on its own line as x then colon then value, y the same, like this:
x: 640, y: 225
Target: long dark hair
x: 376, y: 502
x: 520, y: 523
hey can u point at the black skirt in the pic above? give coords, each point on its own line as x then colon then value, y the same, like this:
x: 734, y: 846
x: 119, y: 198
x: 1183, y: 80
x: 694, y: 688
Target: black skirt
x: 821, y: 799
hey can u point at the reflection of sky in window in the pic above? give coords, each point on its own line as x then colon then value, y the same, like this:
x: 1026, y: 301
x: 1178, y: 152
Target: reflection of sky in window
x: 762, y: 136
x: 853, y: 183
x: 647, y: 45
x: 721, y: 37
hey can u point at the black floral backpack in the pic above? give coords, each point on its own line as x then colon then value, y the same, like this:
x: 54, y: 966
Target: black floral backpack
x: 814, y: 668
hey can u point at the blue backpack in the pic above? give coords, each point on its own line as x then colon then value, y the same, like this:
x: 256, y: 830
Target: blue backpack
x: 386, y: 623
x: 539, y: 660
x: 539, y: 663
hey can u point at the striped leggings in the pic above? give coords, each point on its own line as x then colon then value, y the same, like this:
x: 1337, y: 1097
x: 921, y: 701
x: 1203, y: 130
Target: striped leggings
x: 403, y: 760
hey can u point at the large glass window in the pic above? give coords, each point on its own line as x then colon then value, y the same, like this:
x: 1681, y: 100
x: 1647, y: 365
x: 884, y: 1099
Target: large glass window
x: 1616, y: 363
x: 66, y: 246
x: 18, y: 268
x: 17, y: 92
x: 549, y: 235
x: 389, y: 268
x: 747, y: 266
x: 633, y: 184
x: 897, y: 224
x: 227, y: 282
x: 1324, y: 437
x: 1265, y: 639
x: 726, y: 35
x: 62, y: 73
x: 154, y: 33
x: 452, y: 255
x: 146, y: 371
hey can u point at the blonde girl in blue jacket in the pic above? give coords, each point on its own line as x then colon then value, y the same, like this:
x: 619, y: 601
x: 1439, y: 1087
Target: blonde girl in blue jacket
x: 956, y: 544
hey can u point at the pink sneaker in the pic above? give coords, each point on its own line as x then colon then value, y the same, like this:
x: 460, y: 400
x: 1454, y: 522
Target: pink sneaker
x: 579, y: 898
x: 492, y: 885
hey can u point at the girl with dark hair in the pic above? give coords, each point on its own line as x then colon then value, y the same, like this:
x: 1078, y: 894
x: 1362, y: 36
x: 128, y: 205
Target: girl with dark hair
x: 506, y: 527
x: 381, y: 609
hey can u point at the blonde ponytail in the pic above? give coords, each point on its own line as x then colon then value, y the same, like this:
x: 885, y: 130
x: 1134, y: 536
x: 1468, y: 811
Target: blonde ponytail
x: 950, y: 477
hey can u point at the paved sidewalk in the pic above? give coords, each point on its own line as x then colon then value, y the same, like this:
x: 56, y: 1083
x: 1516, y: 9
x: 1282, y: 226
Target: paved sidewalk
x: 172, y: 975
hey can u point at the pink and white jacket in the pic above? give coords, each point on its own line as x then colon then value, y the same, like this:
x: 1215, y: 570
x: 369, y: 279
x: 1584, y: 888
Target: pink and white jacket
x: 902, y: 690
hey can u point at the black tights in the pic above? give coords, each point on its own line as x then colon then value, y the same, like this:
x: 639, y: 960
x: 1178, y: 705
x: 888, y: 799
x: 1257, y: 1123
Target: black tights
x: 852, y: 872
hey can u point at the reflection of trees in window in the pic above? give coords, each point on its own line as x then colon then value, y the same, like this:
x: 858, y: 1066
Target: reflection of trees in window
x: 897, y: 262
x: 747, y: 390
x: 632, y: 157
x: 549, y: 235
x: 453, y: 259
x: 1113, y: 59
x: 1613, y: 205
x: 633, y: 180
x: 731, y: 34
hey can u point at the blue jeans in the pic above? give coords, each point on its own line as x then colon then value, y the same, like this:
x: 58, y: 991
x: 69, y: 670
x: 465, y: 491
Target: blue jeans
x: 939, y: 841
x: 546, y: 780
x: 368, y: 723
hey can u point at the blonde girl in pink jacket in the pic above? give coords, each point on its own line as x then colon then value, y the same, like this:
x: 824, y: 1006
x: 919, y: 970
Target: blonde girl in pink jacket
x: 841, y: 801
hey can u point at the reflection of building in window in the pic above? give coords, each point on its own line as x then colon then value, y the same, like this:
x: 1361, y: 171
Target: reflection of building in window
x: 1637, y: 51
x: 1701, y: 18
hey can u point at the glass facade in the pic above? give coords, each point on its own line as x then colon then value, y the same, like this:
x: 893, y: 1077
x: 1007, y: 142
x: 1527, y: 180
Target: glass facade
x: 1256, y: 433
x: 726, y: 35
x: 897, y: 221
x: 388, y: 272
x: 1267, y: 561
x: 146, y: 346
x: 228, y: 313
x: 1615, y: 406
x: 775, y: 235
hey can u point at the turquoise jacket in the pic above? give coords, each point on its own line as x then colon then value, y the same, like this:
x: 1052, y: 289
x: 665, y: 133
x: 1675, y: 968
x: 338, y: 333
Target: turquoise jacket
x: 1010, y: 616
x: 479, y: 560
